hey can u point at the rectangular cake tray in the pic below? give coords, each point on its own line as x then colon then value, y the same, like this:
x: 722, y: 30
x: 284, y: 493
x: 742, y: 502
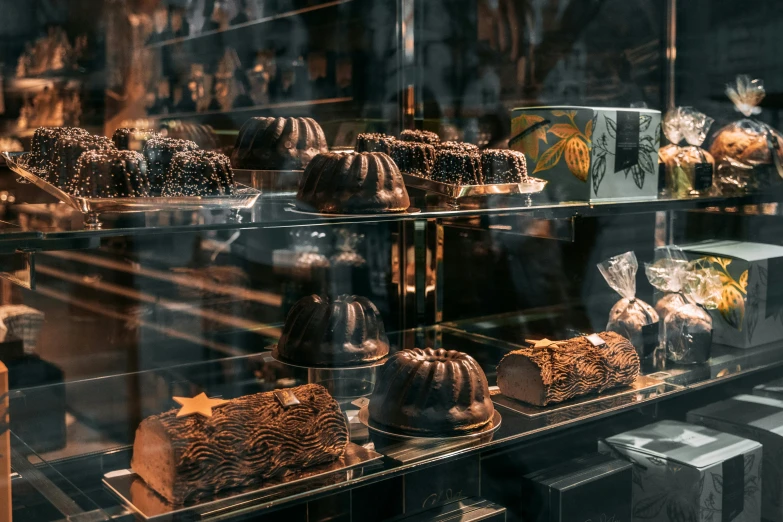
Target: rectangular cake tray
x: 135, y: 493
x: 244, y: 197
x: 533, y: 186
x: 271, y: 183
x: 643, y: 389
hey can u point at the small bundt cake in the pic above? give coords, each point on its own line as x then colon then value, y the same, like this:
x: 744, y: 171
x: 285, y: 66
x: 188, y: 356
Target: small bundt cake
x: 431, y: 393
x: 503, y: 166
x: 413, y: 158
x: 278, y: 144
x: 44, y: 139
x: 374, y: 142
x: 456, y: 145
x: 345, y: 331
x: 128, y: 138
x: 159, y: 152
x: 199, y: 173
x: 420, y: 136
x: 110, y: 174
x: 458, y: 167
x: 67, y: 151
x: 364, y: 182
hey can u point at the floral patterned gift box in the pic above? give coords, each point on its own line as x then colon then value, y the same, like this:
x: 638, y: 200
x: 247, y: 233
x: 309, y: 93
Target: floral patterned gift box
x: 590, y: 154
x: 759, y: 419
x: 689, y: 473
x: 750, y: 311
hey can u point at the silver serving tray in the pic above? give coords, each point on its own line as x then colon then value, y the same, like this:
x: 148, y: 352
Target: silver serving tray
x: 134, y: 492
x: 244, y: 197
x: 533, y: 186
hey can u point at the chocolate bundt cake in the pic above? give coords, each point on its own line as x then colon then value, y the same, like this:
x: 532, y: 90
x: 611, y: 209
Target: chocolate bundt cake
x: 278, y: 144
x: 420, y: 136
x: 159, y: 153
x: 67, y: 151
x: 431, y: 393
x: 129, y: 138
x: 374, y: 142
x: 44, y: 139
x: 318, y: 331
x: 413, y: 158
x: 503, y: 166
x: 199, y: 173
x: 110, y: 174
x: 364, y: 182
x: 457, y: 167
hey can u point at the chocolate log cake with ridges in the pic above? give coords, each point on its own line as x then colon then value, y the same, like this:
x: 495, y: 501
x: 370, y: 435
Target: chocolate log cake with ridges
x: 246, y: 441
x: 575, y: 367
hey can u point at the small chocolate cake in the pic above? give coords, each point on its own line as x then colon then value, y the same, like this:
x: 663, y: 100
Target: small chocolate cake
x: 431, y: 393
x: 456, y: 145
x: 278, y: 144
x: 419, y: 136
x: 110, y: 174
x: 159, y: 152
x: 67, y: 151
x: 374, y: 142
x: 126, y: 138
x: 199, y: 173
x: 348, y: 330
x: 413, y: 158
x: 363, y: 182
x: 44, y: 139
x: 503, y: 166
x: 457, y: 167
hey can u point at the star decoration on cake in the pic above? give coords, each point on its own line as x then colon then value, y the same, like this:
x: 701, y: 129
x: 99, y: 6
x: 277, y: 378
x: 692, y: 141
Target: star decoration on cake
x: 543, y: 343
x: 198, y: 405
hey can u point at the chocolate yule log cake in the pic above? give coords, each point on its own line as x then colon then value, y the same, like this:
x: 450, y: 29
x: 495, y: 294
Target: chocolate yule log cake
x: 278, y: 144
x: 550, y: 372
x: 431, y: 393
x: 320, y: 331
x: 246, y: 441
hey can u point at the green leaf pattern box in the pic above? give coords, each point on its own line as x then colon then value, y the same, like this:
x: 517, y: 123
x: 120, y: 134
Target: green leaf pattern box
x: 690, y: 473
x: 759, y: 419
x: 590, y: 154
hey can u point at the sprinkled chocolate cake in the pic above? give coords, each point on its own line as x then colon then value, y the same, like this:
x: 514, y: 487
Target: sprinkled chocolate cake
x: 110, y: 174
x: 128, y: 138
x: 458, y: 167
x: 420, y: 136
x: 44, y: 139
x: 374, y: 142
x: 503, y: 166
x: 67, y: 150
x: 199, y: 173
x: 159, y: 152
x: 413, y: 158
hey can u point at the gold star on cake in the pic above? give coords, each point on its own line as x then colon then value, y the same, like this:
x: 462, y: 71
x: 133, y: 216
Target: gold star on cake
x: 198, y: 405
x: 543, y: 343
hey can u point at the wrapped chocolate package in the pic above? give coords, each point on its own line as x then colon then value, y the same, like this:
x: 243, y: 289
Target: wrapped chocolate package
x: 689, y: 169
x: 630, y: 317
x: 688, y: 328
x: 748, y: 153
x: 666, y: 276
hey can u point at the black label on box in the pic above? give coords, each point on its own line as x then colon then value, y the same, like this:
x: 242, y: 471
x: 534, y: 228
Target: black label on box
x: 702, y: 176
x: 661, y: 177
x: 627, y: 144
x: 650, y: 333
x: 772, y: 282
x: 733, y: 488
x: 595, y: 499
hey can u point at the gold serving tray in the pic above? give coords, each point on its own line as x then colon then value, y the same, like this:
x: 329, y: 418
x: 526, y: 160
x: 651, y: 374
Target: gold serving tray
x: 533, y: 186
x: 244, y: 197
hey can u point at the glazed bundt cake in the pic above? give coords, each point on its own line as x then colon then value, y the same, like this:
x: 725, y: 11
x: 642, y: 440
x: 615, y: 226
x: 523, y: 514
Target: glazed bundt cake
x: 374, y: 142
x: 503, y: 166
x: 364, y: 182
x: 420, y: 136
x: 110, y: 174
x: 318, y: 331
x: 413, y: 158
x: 458, y: 167
x: 129, y: 138
x: 199, y: 173
x: 278, y: 144
x: 430, y: 393
x: 44, y: 139
x: 67, y: 150
x: 159, y: 152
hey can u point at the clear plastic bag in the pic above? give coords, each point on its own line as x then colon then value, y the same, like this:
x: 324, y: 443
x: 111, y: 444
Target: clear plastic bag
x: 748, y: 153
x: 689, y: 169
x: 630, y: 317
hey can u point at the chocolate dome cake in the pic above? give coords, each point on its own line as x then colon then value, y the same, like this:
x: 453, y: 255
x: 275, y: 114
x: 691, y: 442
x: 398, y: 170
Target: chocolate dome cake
x: 318, y: 331
x: 364, y: 182
x: 159, y: 152
x: 199, y: 173
x: 44, y: 139
x: 458, y: 167
x: 503, y: 166
x: 431, y: 393
x: 420, y: 136
x: 110, y: 174
x: 128, y: 138
x: 67, y: 151
x: 413, y: 158
x: 374, y: 142
x: 278, y: 144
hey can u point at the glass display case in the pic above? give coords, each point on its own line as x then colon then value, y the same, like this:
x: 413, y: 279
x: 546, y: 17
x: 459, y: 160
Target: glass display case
x: 358, y: 260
